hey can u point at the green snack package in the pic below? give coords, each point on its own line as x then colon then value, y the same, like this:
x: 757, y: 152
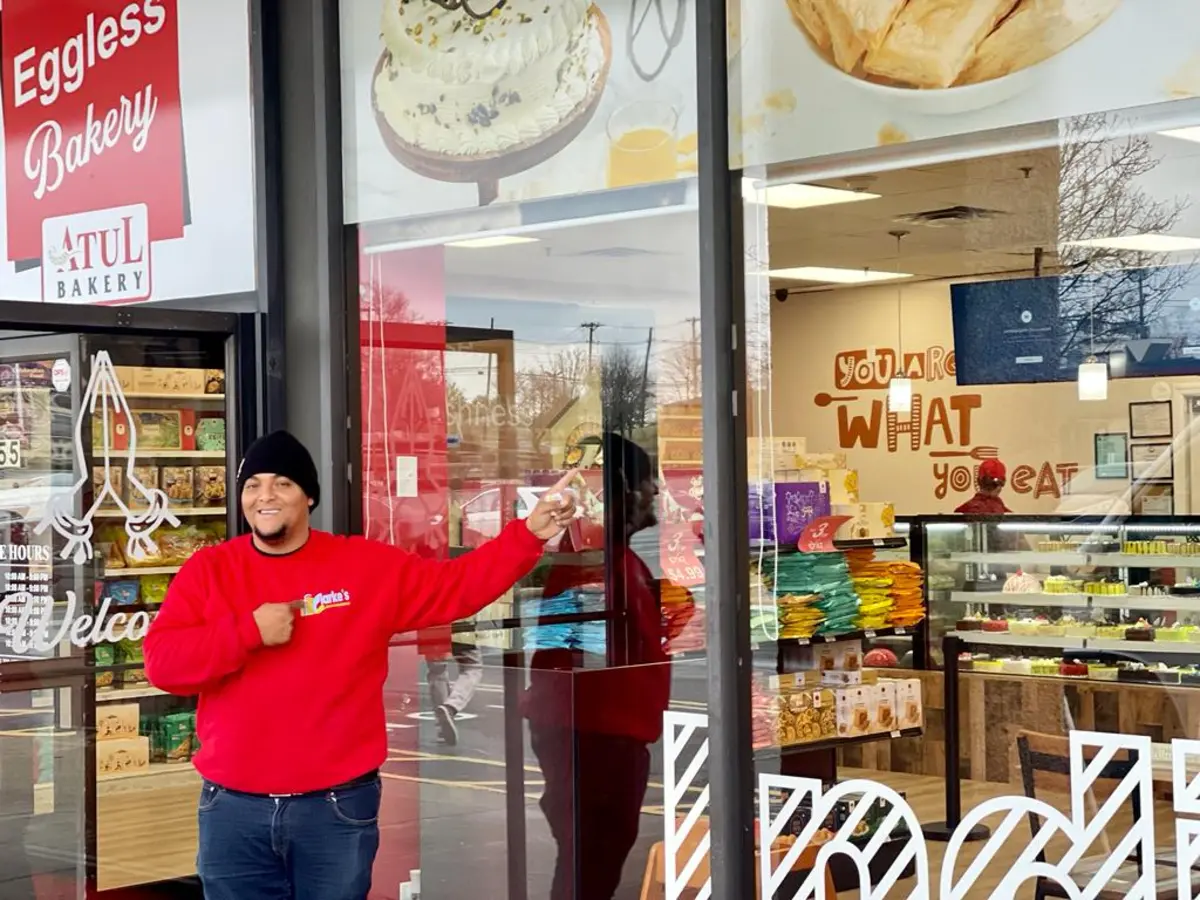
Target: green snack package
x: 154, y: 588
x: 177, y: 737
x: 105, y: 656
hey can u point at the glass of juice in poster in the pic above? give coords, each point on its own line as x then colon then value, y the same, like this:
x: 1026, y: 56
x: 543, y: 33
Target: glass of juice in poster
x: 642, y: 144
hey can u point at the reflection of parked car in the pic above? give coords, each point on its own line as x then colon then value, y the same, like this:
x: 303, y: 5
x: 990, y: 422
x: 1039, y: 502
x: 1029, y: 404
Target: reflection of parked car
x: 481, y: 514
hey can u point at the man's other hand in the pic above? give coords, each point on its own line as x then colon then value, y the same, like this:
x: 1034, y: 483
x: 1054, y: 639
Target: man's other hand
x: 555, y: 509
x: 275, y: 622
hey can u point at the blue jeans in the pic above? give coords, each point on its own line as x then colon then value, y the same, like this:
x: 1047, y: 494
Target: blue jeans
x: 312, y: 847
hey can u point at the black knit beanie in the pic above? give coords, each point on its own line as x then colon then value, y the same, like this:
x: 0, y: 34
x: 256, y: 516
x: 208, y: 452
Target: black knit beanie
x: 279, y: 453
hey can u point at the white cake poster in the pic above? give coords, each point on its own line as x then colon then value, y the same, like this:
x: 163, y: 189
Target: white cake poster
x: 817, y: 77
x: 456, y: 104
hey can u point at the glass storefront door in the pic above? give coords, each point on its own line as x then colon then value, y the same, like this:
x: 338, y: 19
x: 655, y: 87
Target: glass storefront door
x: 115, y: 453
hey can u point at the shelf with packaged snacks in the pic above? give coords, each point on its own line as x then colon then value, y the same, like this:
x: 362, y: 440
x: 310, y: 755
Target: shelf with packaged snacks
x: 174, y: 510
x: 171, y: 454
x: 151, y: 395
x: 835, y: 743
x: 141, y: 570
x: 866, y: 634
x: 119, y: 695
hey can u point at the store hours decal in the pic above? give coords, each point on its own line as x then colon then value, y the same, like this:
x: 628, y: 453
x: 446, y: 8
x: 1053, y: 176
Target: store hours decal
x: 94, y: 130
x: 942, y: 426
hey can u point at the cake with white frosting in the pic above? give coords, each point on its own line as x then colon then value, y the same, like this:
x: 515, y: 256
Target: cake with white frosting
x: 456, y: 85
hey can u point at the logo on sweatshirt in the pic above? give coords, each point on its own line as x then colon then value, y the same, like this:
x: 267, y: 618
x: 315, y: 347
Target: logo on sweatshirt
x: 315, y: 604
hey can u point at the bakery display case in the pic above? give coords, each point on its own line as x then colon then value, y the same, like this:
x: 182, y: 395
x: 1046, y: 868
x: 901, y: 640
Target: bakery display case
x: 1113, y: 599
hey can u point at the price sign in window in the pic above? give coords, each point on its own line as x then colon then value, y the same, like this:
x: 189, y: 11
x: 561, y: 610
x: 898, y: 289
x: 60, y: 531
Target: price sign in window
x: 10, y: 453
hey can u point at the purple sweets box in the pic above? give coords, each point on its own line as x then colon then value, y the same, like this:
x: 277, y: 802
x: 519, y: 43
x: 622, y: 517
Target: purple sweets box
x: 780, y: 512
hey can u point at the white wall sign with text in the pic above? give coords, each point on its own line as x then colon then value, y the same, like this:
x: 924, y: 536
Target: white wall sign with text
x: 128, y: 148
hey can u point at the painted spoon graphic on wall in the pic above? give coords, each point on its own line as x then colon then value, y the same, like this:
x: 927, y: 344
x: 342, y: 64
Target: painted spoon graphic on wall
x: 824, y: 400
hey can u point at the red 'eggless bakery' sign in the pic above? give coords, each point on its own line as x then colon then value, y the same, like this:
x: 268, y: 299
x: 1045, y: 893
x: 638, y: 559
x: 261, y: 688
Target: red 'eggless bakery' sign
x: 94, y: 141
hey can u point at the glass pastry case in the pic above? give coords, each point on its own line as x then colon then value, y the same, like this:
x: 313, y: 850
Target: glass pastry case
x: 1108, y: 599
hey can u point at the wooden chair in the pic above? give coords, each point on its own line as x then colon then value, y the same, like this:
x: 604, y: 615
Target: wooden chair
x: 655, y: 878
x: 1045, y: 764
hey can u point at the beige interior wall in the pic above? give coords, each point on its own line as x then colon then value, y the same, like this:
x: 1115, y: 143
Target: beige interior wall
x: 1043, y: 426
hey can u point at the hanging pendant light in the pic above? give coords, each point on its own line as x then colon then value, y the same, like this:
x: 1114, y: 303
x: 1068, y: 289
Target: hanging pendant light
x: 1093, y: 380
x: 900, y: 388
x: 1093, y: 374
x: 900, y: 394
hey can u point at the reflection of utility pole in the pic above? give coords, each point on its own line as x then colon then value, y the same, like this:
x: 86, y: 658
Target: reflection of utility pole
x: 646, y: 374
x: 693, y: 378
x: 591, y: 330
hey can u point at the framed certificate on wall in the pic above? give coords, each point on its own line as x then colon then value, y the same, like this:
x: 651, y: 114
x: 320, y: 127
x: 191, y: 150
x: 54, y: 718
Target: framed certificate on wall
x: 1151, y: 419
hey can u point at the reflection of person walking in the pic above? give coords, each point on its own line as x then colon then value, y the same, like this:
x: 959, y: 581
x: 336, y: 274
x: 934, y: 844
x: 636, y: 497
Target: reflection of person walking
x: 451, y: 698
x: 284, y: 634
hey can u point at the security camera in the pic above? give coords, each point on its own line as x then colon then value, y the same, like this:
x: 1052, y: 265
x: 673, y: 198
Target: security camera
x: 781, y: 294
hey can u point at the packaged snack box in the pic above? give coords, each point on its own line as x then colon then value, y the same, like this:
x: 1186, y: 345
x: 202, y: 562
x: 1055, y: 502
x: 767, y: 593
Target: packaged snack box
x: 842, y: 483
x: 909, y: 706
x: 868, y: 521
x: 116, y: 478
x: 214, y: 381
x: 116, y: 720
x: 210, y: 486
x: 150, y: 479
x: 121, y: 757
x: 884, y: 715
x: 177, y: 737
x: 823, y: 461
x: 780, y: 512
x: 167, y: 381
x: 179, y: 483
x: 105, y: 655
x: 158, y: 429
x: 210, y: 433
x: 767, y: 456
x: 853, y: 712
x: 130, y: 652
x: 122, y: 593
x: 154, y: 588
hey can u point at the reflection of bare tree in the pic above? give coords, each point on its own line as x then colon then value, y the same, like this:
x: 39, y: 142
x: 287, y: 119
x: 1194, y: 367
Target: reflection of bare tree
x: 546, y: 389
x: 625, y: 391
x: 680, y: 373
x: 1101, y: 195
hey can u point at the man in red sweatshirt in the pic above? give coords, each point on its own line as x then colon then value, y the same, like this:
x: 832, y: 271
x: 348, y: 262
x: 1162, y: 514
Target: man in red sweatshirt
x: 284, y: 636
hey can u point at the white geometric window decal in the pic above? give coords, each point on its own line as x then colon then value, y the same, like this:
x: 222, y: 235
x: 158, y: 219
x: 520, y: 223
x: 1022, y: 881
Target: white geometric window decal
x: 678, y: 730
x: 1082, y: 829
x: 1185, y: 791
x: 1086, y: 825
x: 104, y: 394
x: 823, y: 803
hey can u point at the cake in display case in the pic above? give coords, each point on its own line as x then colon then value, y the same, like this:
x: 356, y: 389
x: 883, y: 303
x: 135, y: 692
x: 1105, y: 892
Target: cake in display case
x: 1104, y: 599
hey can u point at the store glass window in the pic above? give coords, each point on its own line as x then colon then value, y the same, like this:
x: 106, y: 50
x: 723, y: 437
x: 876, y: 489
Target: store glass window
x: 522, y: 179
x: 129, y: 169
x: 971, y: 291
x: 113, y: 472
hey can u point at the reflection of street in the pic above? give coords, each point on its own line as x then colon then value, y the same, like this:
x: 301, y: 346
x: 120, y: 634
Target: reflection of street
x: 457, y: 798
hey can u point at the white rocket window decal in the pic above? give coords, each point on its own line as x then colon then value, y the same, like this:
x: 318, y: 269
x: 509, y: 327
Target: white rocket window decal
x: 105, y: 397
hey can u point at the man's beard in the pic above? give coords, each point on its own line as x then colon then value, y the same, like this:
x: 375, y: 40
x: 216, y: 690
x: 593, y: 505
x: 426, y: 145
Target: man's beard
x: 278, y: 536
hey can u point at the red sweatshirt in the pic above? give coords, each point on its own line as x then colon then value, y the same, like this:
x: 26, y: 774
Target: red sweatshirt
x: 309, y: 715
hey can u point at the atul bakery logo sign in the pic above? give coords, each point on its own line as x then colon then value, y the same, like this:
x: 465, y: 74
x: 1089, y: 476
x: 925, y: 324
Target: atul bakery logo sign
x: 315, y: 604
x: 101, y: 256
x: 941, y: 426
x: 94, y: 137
